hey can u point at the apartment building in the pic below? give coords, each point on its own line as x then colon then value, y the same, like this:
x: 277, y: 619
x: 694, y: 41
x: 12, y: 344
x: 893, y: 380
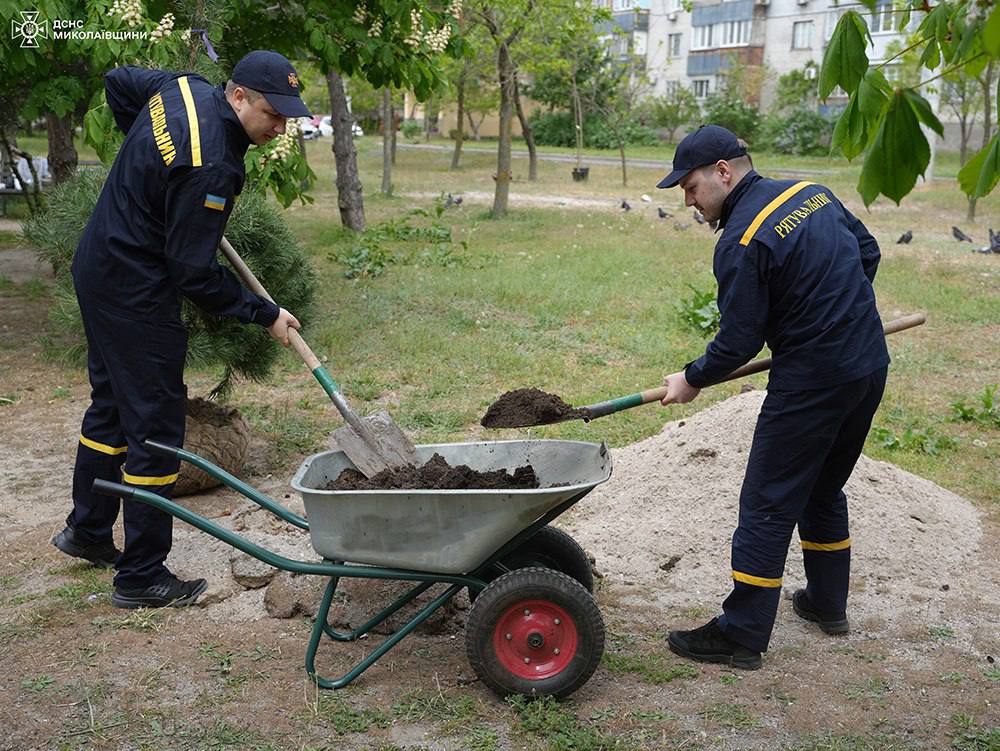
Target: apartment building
x: 690, y: 48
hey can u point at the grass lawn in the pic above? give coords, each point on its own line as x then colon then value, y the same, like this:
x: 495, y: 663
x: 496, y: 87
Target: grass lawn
x: 586, y: 303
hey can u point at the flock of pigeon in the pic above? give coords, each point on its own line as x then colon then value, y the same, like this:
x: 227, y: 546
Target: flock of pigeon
x: 993, y: 247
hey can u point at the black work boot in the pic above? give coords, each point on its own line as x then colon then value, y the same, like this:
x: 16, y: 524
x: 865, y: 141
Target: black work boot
x: 831, y: 623
x: 102, y: 556
x: 709, y: 644
x: 168, y: 591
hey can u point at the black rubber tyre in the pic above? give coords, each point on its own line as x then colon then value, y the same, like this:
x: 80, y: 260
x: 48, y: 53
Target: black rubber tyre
x: 548, y: 548
x: 536, y: 632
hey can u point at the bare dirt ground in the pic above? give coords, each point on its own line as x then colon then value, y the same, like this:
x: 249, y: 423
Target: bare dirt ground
x: 918, y: 670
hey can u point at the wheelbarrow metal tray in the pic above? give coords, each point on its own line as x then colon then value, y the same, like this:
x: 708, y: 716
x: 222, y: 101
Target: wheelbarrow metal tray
x: 443, y: 531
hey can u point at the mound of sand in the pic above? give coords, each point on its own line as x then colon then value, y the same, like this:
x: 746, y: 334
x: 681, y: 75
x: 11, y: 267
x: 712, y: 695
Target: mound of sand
x: 664, y: 521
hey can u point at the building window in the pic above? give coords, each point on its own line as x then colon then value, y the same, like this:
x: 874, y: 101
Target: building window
x: 618, y: 5
x: 670, y: 88
x: 802, y: 35
x: 674, y: 45
x: 701, y: 37
x: 735, y: 34
x: 882, y: 19
x: 701, y: 87
x: 674, y: 6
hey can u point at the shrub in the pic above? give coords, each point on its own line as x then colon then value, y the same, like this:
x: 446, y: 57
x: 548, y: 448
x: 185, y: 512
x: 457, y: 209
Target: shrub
x: 801, y: 132
x: 411, y: 129
x: 557, y: 129
x: 734, y: 114
x: 255, y: 229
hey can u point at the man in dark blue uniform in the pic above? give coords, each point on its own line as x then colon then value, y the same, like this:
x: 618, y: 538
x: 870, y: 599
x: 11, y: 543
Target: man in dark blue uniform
x: 153, y: 237
x: 795, y: 271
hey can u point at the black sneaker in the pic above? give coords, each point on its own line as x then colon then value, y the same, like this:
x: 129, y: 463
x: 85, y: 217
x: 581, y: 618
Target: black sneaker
x: 169, y: 591
x: 103, y: 555
x: 831, y: 623
x: 709, y: 644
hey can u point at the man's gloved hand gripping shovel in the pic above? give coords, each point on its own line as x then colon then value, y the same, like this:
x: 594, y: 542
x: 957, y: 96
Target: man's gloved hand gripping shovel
x: 373, y: 443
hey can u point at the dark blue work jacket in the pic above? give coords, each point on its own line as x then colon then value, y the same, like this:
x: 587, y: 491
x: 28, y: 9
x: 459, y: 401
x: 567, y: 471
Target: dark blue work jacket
x: 795, y: 271
x: 156, y: 228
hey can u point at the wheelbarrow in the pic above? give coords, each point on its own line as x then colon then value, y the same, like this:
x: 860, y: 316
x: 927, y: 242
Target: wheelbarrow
x: 533, y: 628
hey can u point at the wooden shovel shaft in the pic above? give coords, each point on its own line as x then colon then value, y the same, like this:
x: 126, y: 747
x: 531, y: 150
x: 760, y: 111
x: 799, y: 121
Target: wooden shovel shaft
x: 298, y: 343
x: 654, y: 395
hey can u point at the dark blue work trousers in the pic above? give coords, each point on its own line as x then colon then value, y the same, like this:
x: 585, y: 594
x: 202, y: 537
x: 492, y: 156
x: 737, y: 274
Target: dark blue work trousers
x: 136, y: 370
x: 804, y: 449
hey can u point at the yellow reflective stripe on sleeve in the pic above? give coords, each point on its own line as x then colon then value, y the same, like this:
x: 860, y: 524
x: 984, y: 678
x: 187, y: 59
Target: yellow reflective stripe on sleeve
x: 142, y: 480
x: 102, y: 447
x: 757, y: 581
x: 766, y: 211
x: 192, y: 114
x: 842, y: 545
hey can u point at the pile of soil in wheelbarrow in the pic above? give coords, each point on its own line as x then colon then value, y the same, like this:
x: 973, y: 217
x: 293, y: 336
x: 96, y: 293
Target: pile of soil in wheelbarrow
x: 523, y: 408
x: 437, y: 474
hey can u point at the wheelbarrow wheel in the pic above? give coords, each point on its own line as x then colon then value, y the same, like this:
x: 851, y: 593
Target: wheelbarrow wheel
x: 536, y: 632
x: 549, y: 547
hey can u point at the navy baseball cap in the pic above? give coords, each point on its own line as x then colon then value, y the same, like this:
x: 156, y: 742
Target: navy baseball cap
x: 707, y: 145
x: 273, y: 76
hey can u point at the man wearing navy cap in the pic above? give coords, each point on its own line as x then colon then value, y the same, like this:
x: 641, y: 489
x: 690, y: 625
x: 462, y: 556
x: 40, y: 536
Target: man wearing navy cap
x: 795, y: 271
x: 152, y: 238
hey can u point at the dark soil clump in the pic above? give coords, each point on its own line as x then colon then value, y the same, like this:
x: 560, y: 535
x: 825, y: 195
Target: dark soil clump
x: 437, y: 474
x: 526, y: 407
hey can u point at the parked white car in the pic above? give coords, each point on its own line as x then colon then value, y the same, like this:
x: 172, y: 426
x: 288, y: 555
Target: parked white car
x: 317, y: 127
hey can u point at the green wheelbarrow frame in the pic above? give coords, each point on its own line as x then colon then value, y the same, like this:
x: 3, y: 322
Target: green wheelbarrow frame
x: 333, y: 569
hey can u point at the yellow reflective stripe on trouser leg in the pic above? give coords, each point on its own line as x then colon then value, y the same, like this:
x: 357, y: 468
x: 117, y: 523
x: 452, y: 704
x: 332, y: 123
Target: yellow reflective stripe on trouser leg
x: 192, y: 115
x: 842, y: 545
x: 766, y: 211
x: 102, y: 447
x: 757, y: 581
x: 144, y: 480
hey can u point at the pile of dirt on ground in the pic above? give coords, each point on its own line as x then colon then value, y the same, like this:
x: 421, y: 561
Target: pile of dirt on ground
x: 665, y: 519
x: 523, y: 408
x: 437, y: 474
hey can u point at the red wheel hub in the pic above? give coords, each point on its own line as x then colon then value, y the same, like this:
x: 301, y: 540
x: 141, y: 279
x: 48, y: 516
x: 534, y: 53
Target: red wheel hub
x: 535, y: 639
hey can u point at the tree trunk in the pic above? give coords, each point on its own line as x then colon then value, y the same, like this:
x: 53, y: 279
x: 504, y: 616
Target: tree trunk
x: 387, y: 141
x: 474, y: 125
x: 349, y: 192
x: 428, y: 120
x: 62, y: 152
x: 578, y: 122
x: 456, y: 155
x: 505, y: 71
x: 394, y: 133
x: 621, y: 151
x: 529, y: 136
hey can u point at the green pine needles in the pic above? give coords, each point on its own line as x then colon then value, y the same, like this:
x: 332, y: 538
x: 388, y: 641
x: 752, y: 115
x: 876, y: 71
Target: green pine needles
x: 255, y: 229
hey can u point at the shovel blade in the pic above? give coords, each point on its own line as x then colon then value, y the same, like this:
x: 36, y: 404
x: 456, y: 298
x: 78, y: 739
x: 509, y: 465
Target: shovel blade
x: 385, y: 446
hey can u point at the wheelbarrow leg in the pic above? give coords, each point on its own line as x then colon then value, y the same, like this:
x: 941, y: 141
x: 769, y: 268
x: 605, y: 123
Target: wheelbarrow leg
x: 320, y: 627
x: 363, y: 629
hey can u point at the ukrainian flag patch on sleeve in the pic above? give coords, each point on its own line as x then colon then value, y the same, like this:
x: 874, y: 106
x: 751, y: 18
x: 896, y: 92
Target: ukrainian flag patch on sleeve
x: 215, y: 202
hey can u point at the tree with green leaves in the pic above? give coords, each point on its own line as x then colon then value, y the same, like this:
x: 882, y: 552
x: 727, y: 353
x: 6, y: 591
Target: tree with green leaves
x: 883, y: 121
x: 673, y: 110
x: 59, y: 73
x: 387, y: 42
x: 506, y: 23
x: 616, y: 93
x: 563, y: 53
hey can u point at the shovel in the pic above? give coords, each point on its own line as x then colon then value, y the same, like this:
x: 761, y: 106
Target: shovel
x: 528, y: 411
x: 654, y: 395
x: 372, y: 443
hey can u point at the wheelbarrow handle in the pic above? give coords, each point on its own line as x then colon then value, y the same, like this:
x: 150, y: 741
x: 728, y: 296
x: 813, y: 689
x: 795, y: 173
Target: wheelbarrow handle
x: 228, y: 480
x: 654, y: 395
